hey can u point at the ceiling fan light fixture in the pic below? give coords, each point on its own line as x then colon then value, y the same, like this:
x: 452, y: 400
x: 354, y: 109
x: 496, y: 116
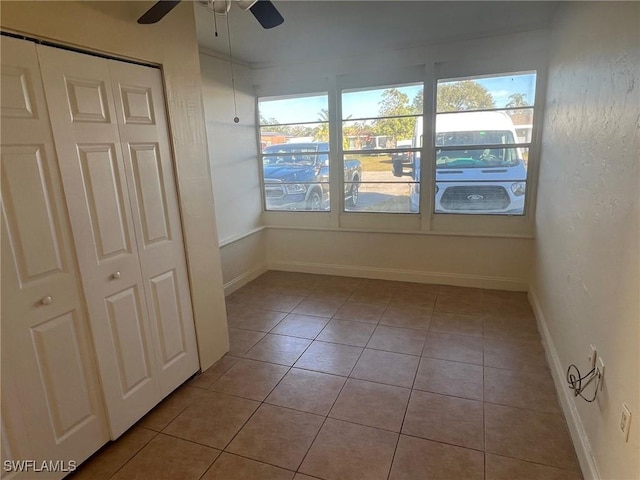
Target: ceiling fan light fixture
x: 219, y: 7
x: 245, y: 4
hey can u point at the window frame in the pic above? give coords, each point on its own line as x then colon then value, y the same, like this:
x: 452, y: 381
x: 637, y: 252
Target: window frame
x: 426, y: 222
x: 522, y: 225
x: 508, y: 146
x: 364, y: 151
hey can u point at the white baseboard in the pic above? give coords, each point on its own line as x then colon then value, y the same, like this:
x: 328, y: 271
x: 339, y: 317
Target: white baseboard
x: 477, y: 281
x: 576, y: 428
x: 241, y: 280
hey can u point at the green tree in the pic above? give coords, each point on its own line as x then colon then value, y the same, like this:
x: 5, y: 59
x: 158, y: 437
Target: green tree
x: 395, y: 103
x: 517, y: 100
x: 321, y: 132
x: 354, y: 133
x: 463, y: 95
x: 267, y: 121
x: 418, y: 102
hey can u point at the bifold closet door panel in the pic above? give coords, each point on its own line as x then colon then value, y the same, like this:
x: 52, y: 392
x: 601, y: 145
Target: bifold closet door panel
x: 51, y: 402
x: 139, y: 99
x: 84, y: 121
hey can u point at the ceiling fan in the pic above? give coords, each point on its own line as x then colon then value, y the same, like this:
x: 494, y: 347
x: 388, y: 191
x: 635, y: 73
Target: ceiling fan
x: 264, y: 10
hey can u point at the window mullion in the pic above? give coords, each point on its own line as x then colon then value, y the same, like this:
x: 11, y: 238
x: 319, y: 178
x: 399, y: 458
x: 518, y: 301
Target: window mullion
x: 336, y: 166
x: 427, y: 155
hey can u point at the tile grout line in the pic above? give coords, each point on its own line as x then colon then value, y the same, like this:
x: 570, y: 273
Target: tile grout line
x: 404, y: 417
x: 326, y: 417
x: 378, y: 323
x: 132, y: 456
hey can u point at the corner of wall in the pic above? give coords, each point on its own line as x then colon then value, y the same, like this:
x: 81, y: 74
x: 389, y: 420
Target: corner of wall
x: 574, y: 422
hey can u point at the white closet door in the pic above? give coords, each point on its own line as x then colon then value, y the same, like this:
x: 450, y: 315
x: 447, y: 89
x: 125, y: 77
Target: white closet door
x: 84, y: 121
x: 139, y: 100
x: 51, y: 405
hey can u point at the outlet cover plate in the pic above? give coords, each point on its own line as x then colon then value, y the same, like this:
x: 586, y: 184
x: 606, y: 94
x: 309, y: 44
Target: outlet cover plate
x: 625, y: 421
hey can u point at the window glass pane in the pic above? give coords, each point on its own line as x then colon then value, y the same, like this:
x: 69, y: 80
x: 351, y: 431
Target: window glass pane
x: 473, y: 173
x: 295, y: 196
x: 298, y: 133
x: 478, y: 157
x: 377, y: 189
x: 299, y: 109
x: 467, y: 183
x: 294, y: 137
x: 296, y: 176
x: 379, y: 134
x: 382, y: 123
x: 480, y: 93
x: 382, y: 102
x: 500, y: 126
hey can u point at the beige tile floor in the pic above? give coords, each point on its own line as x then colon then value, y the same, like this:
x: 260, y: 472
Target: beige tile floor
x: 339, y: 378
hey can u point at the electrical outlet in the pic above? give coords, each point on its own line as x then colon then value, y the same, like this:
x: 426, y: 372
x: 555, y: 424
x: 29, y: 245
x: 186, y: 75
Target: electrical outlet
x: 600, y: 368
x: 625, y: 422
x: 593, y: 356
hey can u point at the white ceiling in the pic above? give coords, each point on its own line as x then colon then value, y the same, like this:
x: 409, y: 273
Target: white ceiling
x: 315, y: 30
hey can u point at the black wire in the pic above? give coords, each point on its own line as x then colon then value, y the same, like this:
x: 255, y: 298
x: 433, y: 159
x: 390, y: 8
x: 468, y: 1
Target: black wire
x: 575, y: 383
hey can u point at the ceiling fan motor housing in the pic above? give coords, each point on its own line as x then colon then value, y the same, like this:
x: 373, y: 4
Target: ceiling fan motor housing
x: 221, y: 7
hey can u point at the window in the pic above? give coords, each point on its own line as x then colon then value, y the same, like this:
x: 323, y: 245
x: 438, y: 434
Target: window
x: 474, y: 172
x: 482, y: 141
x: 294, y: 138
x: 379, y: 145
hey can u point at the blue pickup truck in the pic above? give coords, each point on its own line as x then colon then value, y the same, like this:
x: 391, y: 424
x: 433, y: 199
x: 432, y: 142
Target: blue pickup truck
x: 296, y: 177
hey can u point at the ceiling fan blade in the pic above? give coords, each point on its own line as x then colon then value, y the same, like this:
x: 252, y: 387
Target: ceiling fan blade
x: 266, y: 13
x: 158, y: 11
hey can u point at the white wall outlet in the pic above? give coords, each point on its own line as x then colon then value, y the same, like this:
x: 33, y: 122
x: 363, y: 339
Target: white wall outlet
x: 600, y: 368
x: 593, y: 356
x: 625, y: 422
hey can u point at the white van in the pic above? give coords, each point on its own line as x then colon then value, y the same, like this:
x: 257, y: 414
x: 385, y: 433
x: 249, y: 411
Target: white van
x: 474, y: 173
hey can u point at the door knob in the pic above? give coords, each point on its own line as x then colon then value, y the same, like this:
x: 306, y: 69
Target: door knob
x: 47, y: 300
x: 116, y: 276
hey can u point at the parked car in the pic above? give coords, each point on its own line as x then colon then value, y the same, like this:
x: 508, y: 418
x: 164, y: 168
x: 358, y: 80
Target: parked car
x: 296, y: 177
x: 474, y: 174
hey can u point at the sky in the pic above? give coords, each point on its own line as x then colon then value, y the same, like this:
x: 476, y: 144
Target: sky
x: 365, y: 103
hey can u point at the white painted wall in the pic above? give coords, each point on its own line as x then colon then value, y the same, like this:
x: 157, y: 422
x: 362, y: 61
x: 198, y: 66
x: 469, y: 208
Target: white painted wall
x: 233, y: 154
x: 586, y: 285
x: 501, y: 263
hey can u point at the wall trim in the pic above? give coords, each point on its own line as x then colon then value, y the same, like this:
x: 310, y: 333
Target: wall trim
x: 343, y: 229
x: 576, y: 427
x: 234, y: 238
x: 460, y: 280
x: 244, y: 278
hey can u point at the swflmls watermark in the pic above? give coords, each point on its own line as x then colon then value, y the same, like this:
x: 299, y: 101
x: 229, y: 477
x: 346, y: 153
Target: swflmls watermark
x: 38, y: 466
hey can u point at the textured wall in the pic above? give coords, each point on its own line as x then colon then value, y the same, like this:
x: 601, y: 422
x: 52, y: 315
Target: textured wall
x: 485, y: 262
x: 233, y: 151
x: 233, y: 147
x: 587, y: 261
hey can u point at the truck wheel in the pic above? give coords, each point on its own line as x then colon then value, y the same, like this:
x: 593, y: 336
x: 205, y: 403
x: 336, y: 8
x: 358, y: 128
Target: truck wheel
x: 314, y: 202
x: 353, y: 194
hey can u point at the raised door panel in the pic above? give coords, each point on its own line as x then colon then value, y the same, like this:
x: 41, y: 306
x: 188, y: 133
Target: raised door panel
x: 27, y: 202
x: 168, y: 314
x: 54, y: 411
x: 62, y: 374
x: 150, y: 191
x: 103, y: 189
x: 141, y: 114
x: 82, y: 109
x: 127, y: 330
x: 16, y: 101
